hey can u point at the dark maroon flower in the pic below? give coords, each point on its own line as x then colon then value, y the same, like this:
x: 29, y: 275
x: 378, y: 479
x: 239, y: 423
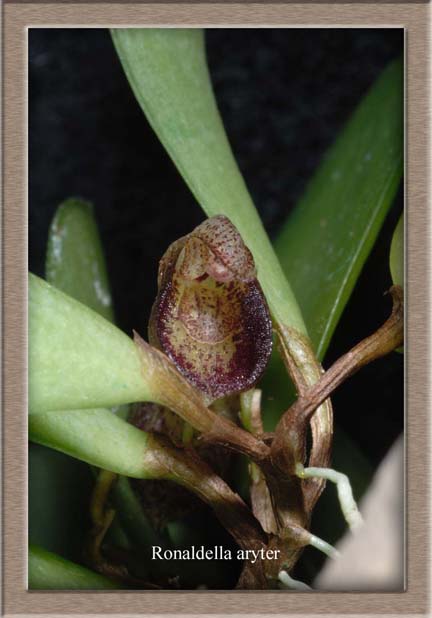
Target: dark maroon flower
x: 210, y: 316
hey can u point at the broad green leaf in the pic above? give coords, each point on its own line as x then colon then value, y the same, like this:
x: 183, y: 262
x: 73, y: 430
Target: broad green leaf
x: 77, y: 359
x: 48, y: 571
x: 397, y: 253
x: 168, y: 73
x: 75, y: 262
x: 326, y: 240
x: 96, y: 436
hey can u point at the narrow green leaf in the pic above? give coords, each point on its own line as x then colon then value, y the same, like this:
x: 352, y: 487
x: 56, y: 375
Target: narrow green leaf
x: 397, y: 253
x: 48, y: 571
x: 324, y: 244
x: 168, y: 73
x: 77, y: 359
x: 96, y: 436
x: 326, y: 240
x: 75, y: 262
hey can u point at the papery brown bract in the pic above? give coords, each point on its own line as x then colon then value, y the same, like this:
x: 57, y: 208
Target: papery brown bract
x: 210, y: 316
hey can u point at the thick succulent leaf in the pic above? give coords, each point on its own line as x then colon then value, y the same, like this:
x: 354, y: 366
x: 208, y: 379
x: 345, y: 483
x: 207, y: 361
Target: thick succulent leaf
x: 325, y: 242
x: 96, y: 436
x: 48, y: 571
x: 397, y: 254
x: 77, y: 359
x: 75, y: 262
x: 168, y: 73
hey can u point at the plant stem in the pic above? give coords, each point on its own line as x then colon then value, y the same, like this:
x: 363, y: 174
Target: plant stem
x: 176, y: 393
x: 288, y: 446
x: 187, y: 469
x: 304, y: 370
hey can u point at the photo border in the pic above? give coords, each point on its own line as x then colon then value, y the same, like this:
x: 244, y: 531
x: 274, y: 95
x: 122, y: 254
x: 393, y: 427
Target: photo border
x: 415, y: 18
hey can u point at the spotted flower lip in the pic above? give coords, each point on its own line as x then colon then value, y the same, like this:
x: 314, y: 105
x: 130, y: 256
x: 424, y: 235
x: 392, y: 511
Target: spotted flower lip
x: 210, y: 316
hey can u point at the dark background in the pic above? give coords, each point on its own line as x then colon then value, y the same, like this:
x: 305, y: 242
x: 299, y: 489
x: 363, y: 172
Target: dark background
x: 284, y: 95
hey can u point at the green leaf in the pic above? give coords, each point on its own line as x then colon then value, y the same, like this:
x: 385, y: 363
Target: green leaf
x: 397, y: 253
x: 326, y: 240
x: 96, y: 436
x: 77, y: 359
x: 60, y: 486
x: 324, y: 244
x: 48, y: 571
x: 75, y: 265
x: 75, y: 262
x: 168, y: 73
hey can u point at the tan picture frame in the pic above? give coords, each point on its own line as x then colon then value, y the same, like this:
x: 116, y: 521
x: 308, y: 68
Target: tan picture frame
x: 415, y: 18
